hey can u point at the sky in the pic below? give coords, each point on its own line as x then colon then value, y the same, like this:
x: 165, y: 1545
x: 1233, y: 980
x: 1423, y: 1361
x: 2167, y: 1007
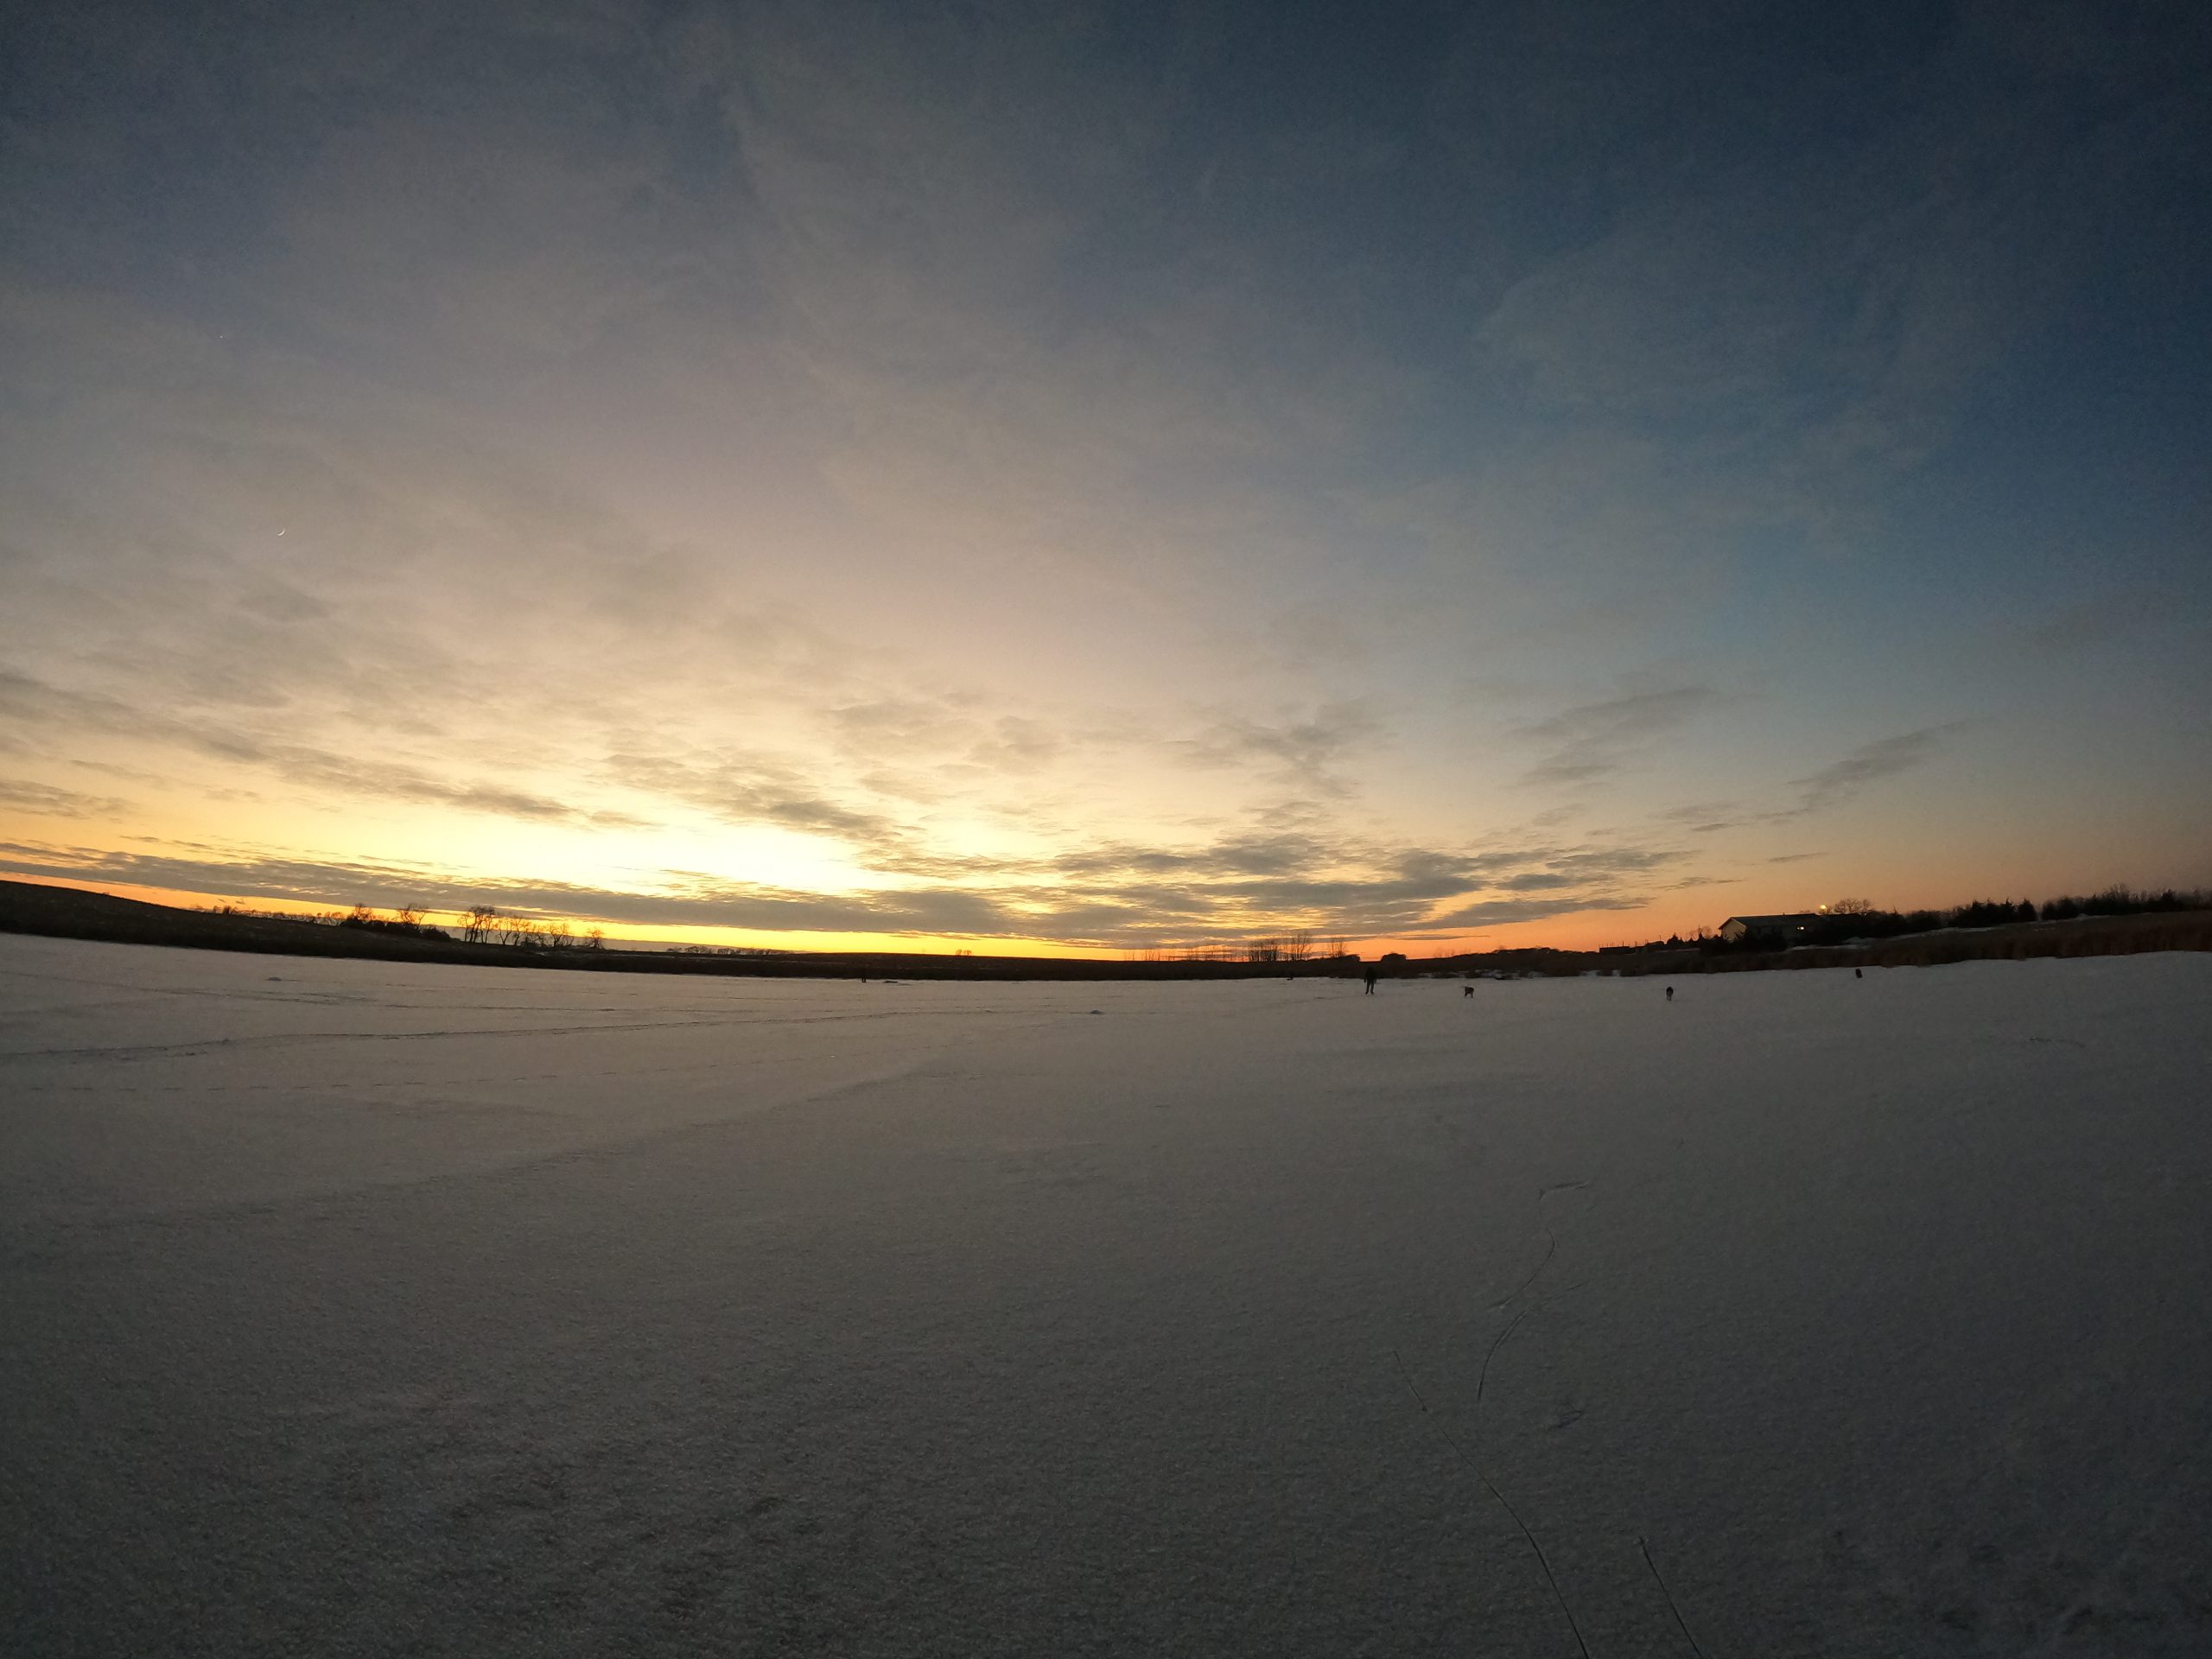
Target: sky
x: 1050, y: 478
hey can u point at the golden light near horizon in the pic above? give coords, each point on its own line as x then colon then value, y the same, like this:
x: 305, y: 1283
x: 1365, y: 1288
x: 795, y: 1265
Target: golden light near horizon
x: 691, y: 847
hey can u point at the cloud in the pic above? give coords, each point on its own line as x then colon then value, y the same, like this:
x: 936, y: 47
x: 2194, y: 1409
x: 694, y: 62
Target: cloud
x: 1704, y: 817
x: 1683, y: 308
x: 748, y: 787
x: 1869, y: 763
x: 2100, y: 620
x: 1300, y: 753
x: 1595, y: 739
x: 55, y: 709
x: 693, y: 901
x: 1280, y: 854
x: 1354, y: 886
x: 1831, y: 785
x: 1112, y: 895
x: 47, y: 800
x: 1495, y: 912
x: 1017, y: 745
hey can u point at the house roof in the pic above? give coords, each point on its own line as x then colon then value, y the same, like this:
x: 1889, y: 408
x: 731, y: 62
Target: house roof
x: 1795, y: 918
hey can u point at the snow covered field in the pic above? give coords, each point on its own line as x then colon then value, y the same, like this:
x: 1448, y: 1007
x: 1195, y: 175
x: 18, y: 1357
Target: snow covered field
x: 350, y: 1308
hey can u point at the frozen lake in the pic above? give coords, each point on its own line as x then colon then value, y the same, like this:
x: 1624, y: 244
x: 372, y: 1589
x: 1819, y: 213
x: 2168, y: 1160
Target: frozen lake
x: 356, y: 1308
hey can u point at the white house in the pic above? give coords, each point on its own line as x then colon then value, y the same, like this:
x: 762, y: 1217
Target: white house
x: 1789, y: 929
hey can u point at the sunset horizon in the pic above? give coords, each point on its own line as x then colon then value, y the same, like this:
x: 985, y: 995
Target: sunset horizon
x: 1601, y: 931
x: 1436, y: 484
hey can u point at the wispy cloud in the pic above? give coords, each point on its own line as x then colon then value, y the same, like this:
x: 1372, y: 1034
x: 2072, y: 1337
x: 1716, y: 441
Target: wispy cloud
x: 1703, y: 817
x: 56, y: 709
x: 1495, y: 912
x: 50, y: 800
x: 1869, y: 763
x: 1594, y: 739
x: 1300, y: 752
x: 1830, y: 786
x: 2103, y: 619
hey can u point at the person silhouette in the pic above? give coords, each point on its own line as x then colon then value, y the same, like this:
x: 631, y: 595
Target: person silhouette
x: 1371, y: 982
x: 1670, y: 992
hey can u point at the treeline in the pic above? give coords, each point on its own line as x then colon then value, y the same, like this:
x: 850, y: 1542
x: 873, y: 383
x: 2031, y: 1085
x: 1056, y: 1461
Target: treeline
x: 1851, y: 920
x: 486, y: 924
x: 2188, y: 929
x: 479, y: 924
x: 407, y: 921
x: 2126, y: 901
x: 1300, y: 945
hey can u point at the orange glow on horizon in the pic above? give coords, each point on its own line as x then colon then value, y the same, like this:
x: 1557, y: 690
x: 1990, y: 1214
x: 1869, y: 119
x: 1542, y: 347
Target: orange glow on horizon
x: 1584, y: 932
x: 620, y: 932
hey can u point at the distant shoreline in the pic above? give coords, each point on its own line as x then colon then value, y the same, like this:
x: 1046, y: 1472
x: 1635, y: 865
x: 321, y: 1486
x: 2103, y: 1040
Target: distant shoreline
x: 79, y: 913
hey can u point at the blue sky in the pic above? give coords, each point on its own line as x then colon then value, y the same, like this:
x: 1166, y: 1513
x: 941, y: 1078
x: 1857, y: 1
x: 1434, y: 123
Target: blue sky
x: 1106, y: 476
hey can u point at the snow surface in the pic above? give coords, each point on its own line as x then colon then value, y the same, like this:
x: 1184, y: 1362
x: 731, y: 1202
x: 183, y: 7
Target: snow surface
x: 368, y: 1308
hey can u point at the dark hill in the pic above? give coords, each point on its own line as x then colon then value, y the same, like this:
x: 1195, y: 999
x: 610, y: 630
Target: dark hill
x: 75, y: 913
